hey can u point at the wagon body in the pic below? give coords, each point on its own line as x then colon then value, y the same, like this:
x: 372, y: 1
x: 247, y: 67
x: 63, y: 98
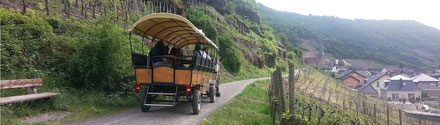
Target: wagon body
x: 187, y: 82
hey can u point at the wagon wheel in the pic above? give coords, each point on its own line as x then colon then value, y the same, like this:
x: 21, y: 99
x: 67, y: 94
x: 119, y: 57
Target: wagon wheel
x: 196, y: 101
x: 145, y: 100
x: 217, y: 91
x: 212, y: 94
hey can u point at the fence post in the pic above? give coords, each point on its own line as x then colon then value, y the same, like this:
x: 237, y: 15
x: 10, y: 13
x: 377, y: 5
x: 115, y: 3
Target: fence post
x: 420, y: 119
x: 400, y: 116
x: 374, y: 106
x: 281, y: 90
x: 388, y: 115
x: 272, y: 93
x: 292, y: 88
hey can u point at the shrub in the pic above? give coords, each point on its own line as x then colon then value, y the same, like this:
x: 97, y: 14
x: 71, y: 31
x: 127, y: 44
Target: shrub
x: 291, y: 55
x: 26, y: 45
x: 101, y: 62
x: 232, y: 56
x: 204, y: 22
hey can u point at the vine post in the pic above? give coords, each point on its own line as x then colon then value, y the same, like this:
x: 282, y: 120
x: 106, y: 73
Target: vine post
x: 291, y: 88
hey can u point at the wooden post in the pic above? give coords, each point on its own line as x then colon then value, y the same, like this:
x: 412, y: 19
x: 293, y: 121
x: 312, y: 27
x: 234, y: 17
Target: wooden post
x: 388, y: 115
x: 365, y: 109
x: 281, y: 90
x: 420, y: 119
x: 374, y: 106
x: 31, y: 90
x: 291, y: 88
x: 400, y: 117
x: 271, y: 94
x: 357, y: 108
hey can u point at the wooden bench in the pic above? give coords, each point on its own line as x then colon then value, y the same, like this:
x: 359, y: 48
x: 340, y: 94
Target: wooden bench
x: 29, y: 84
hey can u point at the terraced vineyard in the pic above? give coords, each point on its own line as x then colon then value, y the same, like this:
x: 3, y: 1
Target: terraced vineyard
x: 320, y: 99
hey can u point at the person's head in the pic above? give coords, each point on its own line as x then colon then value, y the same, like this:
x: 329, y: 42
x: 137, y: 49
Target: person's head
x: 176, y: 51
x: 205, y: 49
x: 197, y: 48
x: 159, y: 44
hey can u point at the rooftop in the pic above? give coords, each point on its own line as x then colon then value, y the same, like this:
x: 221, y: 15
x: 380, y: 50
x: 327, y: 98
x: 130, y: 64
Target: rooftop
x: 424, y: 77
x: 401, y: 85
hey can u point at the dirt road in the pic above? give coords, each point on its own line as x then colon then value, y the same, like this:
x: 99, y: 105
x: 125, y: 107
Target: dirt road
x: 178, y: 115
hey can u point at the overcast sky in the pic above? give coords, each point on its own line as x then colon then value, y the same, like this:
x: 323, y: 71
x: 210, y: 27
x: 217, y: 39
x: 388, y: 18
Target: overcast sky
x: 424, y: 11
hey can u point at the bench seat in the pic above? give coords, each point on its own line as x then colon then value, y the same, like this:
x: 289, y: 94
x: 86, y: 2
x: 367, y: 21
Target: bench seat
x: 21, y: 98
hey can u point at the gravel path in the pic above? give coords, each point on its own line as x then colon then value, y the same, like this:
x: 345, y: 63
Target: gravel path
x: 178, y: 115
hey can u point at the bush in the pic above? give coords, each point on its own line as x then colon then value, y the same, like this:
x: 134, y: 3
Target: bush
x: 291, y: 55
x: 102, y: 61
x: 232, y: 56
x: 26, y: 45
x: 204, y: 22
x: 270, y: 52
x: 90, y: 56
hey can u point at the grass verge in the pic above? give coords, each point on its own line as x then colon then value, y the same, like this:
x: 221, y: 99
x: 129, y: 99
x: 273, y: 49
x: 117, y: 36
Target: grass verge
x: 249, y: 107
x: 82, y: 107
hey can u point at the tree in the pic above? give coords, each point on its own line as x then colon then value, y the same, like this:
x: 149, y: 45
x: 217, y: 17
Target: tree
x: 93, y: 8
x: 68, y: 7
x: 47, y: 7
x: 24, y: 7
x: 82, y: 7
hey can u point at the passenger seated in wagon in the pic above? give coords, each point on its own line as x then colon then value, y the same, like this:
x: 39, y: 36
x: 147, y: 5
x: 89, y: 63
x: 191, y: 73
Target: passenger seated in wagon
x: 202, y: 52
x: 159, y: 50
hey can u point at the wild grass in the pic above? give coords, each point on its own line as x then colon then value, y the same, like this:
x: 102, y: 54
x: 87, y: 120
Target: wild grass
x: 250, y: 107
x: 81, y: 106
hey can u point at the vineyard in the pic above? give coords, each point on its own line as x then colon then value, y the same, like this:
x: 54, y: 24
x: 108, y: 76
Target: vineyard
x: 320, y: 99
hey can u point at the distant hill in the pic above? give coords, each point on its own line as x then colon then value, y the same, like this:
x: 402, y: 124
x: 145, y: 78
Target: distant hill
x: 387, y: 41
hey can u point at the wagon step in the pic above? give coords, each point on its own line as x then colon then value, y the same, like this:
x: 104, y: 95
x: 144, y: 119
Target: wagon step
x: 163, y: 105
x: 159, y: 93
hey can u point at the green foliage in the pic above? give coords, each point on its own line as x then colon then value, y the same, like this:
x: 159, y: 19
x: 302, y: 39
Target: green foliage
x: 270, y: 52
x: 82, y: 55
x: 291, y: 55
x: 298, y: 52
x: 204, y: 22
x: 26, y: 48
x: 102, y: 63
x: 385, y: 41
x: 232, y: 56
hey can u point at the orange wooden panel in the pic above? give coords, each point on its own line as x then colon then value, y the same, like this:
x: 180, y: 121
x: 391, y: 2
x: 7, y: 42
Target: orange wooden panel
x: 163, y: 74
x: 194, y: 77
x: 143, y: 75
x: 183, y: 76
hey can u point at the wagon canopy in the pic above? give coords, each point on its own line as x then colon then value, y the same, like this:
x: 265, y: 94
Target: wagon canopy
x: 172, y: 29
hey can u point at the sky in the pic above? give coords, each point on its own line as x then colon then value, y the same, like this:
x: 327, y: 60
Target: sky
x: 423, y: 11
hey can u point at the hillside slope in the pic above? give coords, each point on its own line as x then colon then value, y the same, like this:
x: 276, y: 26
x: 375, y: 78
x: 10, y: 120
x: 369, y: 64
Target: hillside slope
x: 81, y: 48
x: 386, y: 41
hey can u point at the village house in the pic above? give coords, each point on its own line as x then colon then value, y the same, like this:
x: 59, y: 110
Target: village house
x: 400, y: 90
x: 367, y: 89
x: 352, y: 78
x: 435, y: 75
x: 428, y: 85
x: 373, y: 84
x: 391, y: 70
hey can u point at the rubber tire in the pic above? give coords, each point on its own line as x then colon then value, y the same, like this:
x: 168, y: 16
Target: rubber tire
x: 212, y: 94
x: 217, y: 91
x: 196, y: 101
x: 144, y: 98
